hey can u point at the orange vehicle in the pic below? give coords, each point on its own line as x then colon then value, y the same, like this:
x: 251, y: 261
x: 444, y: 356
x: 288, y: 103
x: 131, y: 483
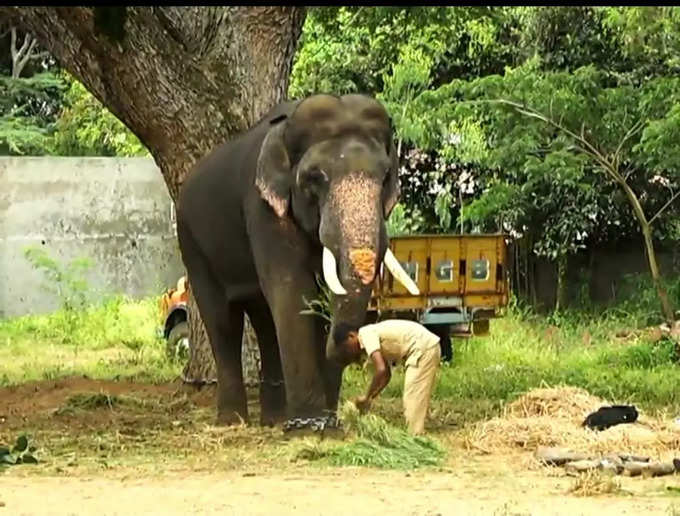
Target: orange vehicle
x: 175, y: 316
x: 462, y: 279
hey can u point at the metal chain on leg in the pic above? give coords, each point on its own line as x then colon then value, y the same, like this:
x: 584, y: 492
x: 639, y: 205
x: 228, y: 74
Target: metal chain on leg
x: 316, y: 424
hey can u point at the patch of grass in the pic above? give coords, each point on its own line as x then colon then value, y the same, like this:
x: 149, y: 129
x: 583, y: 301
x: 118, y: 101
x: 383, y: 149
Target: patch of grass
x: 93, y: 401
x: 593, y: 483
x: 375, y: 443
x: 643, y: 355
x: 117, y: 339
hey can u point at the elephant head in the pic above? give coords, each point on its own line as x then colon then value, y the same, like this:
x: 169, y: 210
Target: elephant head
x: 332, y: 166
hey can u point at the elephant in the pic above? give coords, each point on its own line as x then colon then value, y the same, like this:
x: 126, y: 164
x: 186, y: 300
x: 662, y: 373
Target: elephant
x: 303, y: 194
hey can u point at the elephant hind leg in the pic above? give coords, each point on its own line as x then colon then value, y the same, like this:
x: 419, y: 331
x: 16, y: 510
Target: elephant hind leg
x: 272, y: 388
x: 223, y: 322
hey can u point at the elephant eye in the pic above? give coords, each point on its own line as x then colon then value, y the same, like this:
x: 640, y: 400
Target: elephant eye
x: 313, y: 181
x: 316, y: 176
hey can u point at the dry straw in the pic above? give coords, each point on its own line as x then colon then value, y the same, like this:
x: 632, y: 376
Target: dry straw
x: 553, y: 417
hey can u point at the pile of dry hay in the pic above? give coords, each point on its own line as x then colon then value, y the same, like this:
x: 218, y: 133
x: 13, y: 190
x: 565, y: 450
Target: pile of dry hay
x: 553, y: 417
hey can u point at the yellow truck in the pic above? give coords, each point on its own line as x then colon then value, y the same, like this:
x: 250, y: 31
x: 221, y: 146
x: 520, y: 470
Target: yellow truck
x: 463, y: 282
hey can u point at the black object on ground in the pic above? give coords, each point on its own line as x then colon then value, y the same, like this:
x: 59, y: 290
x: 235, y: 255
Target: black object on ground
x: 606, y: 417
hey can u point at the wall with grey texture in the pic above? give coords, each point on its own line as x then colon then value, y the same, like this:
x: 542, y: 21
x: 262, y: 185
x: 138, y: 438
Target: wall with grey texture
x: 115, y: 211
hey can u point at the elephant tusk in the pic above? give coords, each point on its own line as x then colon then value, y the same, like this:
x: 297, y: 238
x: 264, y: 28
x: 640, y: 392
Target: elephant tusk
x: 330, y: 273
x: 399, y: 273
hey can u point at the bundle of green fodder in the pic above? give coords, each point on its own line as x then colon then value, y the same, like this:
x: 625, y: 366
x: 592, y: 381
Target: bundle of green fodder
x: 372, y: 441
x: 554, y: 416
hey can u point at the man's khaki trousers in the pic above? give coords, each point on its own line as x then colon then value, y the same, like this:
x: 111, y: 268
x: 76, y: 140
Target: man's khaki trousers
x: 418, y: 385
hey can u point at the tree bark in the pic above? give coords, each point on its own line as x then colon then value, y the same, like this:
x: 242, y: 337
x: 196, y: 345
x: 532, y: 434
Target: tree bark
x: 183, y: 79
x: 561, y: 290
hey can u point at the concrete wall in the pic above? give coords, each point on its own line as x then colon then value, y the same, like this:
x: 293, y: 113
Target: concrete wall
x: 115, y: 211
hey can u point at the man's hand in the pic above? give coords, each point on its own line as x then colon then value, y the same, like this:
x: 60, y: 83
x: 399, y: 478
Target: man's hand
x: 380, y: 379
x: 363, y: 404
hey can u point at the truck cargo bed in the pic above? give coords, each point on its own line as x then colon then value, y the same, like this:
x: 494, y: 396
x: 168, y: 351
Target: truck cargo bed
x: 456, y: 274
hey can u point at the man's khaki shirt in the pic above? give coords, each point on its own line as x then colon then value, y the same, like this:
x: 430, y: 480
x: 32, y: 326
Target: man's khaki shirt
x: 397, y: 340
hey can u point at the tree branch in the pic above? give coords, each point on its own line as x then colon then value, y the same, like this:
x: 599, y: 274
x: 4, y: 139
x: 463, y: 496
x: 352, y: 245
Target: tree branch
x: 13, y: 43
x: 637, y: 126
x: 40, y: 55
x: 663, y: 208
x: 588, y: 148
x: 24, y: 56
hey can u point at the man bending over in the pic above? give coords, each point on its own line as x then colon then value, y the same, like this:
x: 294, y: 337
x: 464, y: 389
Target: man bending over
x: 395, y: 340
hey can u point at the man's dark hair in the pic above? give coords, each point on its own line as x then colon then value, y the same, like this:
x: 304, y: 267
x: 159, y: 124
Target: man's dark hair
x: 342, y: 330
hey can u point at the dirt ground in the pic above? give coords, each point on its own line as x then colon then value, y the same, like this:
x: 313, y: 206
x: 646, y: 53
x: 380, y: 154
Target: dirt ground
x: 162, y: 457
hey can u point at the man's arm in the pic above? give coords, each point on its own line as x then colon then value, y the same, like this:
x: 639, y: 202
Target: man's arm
x: 381, y: 378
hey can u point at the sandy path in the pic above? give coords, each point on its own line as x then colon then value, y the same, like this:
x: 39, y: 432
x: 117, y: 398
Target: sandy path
x: 352, y: 492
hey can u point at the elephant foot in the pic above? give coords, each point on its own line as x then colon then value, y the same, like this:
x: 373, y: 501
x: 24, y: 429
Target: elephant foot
x: 272, y: 403
x: 272, y: 418
x: 323, y: 426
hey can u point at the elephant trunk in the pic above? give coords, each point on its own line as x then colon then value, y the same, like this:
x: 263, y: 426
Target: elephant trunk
x: 353, y: 234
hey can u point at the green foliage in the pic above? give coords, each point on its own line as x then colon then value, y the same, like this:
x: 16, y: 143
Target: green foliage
x: 402, y: 223
x: 66, y: 282
x: 116, y: 338
x: 637, y: 297
x: 47, y: 111
x: 322, y: 305
x: 474, y: 164
x: 642, y: 356
x: 20, y: 453
x: 648, y: 36
x: 80, y: 325
x: 518, y: 356
x: 87, y: 128
x: 540, y: 181
x: 29, y: 107
x: 352, y: 49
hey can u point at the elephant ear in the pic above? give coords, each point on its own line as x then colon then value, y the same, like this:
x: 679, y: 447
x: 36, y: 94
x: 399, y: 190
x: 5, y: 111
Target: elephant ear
x: 392, y: 188
x: 272, y: 176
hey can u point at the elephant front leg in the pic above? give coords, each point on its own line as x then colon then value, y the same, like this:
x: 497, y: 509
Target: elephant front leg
x: 301, y: 347
x: 301, y: 342
x: 286, y: 265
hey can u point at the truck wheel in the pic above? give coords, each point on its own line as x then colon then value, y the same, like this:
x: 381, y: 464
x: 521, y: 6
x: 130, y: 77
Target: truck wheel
x: 178, y: 341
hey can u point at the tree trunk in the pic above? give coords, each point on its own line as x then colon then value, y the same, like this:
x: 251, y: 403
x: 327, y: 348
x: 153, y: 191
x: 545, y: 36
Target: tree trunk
x: 200, y: 368
x: 646, y: 228
x: 666, y: 306
x: 561, y: 291
x: 183, y: 79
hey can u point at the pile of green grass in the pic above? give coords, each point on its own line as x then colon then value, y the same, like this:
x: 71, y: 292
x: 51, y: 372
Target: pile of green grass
x: 376, y: 443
